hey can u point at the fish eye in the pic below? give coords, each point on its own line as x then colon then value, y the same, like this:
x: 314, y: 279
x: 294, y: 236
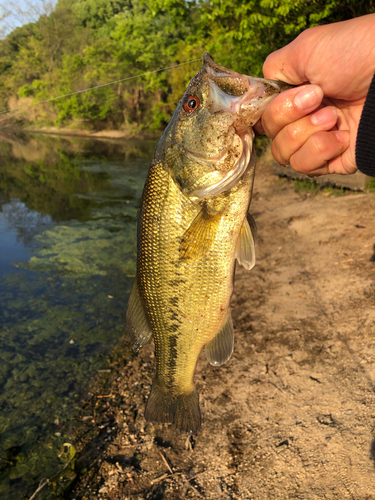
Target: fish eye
x: 191, y: 103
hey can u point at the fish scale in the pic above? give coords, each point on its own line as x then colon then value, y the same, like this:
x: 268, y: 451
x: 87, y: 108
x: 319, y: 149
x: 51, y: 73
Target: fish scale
x: 192, y: 227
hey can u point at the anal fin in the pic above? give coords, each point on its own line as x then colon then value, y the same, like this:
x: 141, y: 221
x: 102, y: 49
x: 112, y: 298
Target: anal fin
x: 137, y: 325
x: 246, y: 243
x: 220, y: 348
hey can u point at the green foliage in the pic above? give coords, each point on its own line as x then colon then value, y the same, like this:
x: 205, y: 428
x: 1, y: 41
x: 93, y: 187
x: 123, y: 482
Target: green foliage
x: 96, y: 13
x: 25, y: 91
x: 334, y: 191
x: 371, y: 185
x: 311, y: 187
x: 306, y: 186
x: 242, y: 33
x: 88, y: 43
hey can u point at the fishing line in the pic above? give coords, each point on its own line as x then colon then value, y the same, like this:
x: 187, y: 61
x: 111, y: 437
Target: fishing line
x: 97, y: 87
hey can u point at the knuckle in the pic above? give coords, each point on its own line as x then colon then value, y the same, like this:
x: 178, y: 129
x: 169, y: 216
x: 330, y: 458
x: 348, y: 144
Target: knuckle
x: 291, y: 133
x: 276, y: 153
x: 276, y: 116
x: 297, y: 165
x: 319, y: 144
x: 304, y: 163
x: 268, y: 65
x: 283, y: 106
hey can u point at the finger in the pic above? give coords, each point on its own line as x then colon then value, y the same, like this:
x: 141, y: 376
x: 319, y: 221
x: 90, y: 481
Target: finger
x: 344, y: 164
x: 258, y: 128
x: 290, y: 106
x: 289, y: 63
x: 282, y: 65
x: 292, y: 137
x: 314, y: 156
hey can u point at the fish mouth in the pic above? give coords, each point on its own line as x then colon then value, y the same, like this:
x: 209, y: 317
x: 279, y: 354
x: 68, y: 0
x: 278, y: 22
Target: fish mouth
x: 217, y: 70
x: 245, y: 97
x: 241, y: 95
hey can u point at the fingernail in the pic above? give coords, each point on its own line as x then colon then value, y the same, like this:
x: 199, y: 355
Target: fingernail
x: 324, y: 116
x: 309, y: 97
x: 341, y: 136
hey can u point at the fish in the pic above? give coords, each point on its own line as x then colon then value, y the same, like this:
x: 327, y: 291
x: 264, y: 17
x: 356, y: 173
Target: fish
x: 193, y: 226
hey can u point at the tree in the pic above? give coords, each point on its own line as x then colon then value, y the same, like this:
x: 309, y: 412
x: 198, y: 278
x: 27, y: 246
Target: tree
x: 96, y: 13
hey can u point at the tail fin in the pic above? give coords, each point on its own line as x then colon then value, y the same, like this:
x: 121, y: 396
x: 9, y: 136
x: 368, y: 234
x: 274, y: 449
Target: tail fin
x: 181, y: 410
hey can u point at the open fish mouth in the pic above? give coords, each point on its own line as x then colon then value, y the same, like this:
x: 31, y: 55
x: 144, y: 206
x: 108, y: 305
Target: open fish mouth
x: 255, y: 98
x: 241, y: 95
x: 245, y: 98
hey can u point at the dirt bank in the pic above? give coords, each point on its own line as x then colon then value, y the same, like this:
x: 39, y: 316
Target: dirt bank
x: 292, y: 414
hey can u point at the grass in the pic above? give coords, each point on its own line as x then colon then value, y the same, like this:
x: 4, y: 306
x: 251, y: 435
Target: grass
x: 306, y: 186
x: 312, y: 188
x: 371, y: 185
x: 334, y: 191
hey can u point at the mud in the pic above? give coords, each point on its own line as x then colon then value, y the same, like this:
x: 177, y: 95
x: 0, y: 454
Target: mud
x: 292, y: 414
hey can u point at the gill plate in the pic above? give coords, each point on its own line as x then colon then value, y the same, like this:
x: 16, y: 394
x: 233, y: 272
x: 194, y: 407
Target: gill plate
x: 225, y: 181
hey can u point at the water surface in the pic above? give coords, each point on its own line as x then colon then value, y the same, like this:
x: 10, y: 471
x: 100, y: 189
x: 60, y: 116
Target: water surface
x: 67, y: 261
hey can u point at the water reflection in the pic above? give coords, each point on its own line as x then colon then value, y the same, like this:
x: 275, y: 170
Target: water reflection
x: 50, y: 178
x: 18, y: 227
x: 68, y: 220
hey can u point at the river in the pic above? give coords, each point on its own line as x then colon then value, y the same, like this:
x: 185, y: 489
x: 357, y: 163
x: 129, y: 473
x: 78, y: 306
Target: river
x: 67, y: 261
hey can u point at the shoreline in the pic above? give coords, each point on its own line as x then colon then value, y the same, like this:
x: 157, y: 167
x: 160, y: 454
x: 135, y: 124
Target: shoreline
x: 300, y: 372
x: 114, y: 135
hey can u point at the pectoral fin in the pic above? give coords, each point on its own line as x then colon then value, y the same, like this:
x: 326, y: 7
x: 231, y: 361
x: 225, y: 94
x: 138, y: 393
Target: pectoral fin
x: 199, y: 237
x: 220, y: 349
x: 137, y: 325
x: 253, y: 227
x: 246, y: 243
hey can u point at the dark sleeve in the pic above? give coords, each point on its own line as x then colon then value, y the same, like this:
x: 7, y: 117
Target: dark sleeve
x: 365, y: 146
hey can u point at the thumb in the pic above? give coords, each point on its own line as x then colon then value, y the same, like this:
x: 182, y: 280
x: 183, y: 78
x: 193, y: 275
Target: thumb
x: 288, y: 63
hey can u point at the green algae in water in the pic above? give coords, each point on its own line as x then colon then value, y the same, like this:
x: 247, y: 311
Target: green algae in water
x: 86, y: 250
x: 62, y: 312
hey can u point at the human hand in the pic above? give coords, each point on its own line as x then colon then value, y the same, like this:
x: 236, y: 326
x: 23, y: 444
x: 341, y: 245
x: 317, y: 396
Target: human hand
x: 314, y: 126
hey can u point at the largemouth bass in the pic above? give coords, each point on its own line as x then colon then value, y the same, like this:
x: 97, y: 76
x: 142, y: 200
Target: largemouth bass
x: 193, y: 225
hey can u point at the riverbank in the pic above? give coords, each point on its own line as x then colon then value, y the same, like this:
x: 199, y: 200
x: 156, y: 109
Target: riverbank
x: 98, y: 134
x: 291, y: 414
x: 67, y: 262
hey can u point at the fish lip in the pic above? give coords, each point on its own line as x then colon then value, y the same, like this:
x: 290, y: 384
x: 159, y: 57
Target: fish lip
x: 216, y: 69
x: 260, y: 87
x: 259, y: 92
